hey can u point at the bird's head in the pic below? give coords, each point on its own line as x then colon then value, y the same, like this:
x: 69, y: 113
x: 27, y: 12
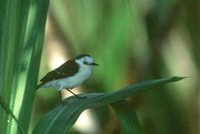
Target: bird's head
x: 85, y: 60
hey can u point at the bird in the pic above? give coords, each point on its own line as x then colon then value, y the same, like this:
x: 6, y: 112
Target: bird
x: 69, y: 75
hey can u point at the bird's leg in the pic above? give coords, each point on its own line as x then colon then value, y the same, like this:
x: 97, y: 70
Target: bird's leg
x: 74, y: 94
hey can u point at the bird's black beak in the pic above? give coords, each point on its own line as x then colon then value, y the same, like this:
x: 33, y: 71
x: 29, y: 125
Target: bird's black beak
x: 94, y: 64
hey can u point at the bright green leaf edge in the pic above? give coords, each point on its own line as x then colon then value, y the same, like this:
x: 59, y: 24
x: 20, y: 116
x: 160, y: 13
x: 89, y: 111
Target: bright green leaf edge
x: 62, y: 117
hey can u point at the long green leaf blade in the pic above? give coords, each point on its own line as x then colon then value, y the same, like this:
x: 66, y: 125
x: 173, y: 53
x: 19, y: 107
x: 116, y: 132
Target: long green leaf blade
x: 9, y: 111
x: 129, y: 122
x: 22, y: 26
x: 62, y: 118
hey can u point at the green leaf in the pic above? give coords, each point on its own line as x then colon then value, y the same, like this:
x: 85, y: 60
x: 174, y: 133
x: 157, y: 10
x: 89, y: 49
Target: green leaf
x: 22, y: 27
x: 62, y: 117
x: 128, y: 119
x: 9, y: 111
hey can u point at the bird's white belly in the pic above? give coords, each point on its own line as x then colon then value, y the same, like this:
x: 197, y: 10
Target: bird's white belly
x: 70, y: 82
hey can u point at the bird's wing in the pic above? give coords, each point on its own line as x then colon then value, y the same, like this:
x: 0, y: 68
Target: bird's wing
x: 67, y: 69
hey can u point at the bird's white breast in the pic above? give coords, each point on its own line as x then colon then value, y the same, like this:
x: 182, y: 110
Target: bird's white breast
x: 76, y: 80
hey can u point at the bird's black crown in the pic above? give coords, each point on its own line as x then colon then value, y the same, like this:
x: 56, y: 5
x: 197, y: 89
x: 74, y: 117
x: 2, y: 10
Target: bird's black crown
x: 81, y: 56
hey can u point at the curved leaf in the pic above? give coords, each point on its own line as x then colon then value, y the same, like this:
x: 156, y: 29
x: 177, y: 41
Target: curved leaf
x: 62, y: 117
x: 129, y: 122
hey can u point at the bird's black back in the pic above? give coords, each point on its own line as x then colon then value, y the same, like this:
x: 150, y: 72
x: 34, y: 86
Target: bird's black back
x: 67, y: 69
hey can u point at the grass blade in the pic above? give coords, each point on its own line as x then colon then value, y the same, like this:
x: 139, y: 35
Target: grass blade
x: 22, y: 27
x: 129, y: 122
x: 9, y: 111
x: 62, y: 118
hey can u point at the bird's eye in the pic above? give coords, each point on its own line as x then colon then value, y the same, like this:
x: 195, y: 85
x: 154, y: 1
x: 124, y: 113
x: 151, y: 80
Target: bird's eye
x: 85, y: 62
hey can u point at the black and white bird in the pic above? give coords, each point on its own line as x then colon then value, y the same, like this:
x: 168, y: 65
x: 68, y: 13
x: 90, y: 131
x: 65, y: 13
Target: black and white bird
x: 70, y: 74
